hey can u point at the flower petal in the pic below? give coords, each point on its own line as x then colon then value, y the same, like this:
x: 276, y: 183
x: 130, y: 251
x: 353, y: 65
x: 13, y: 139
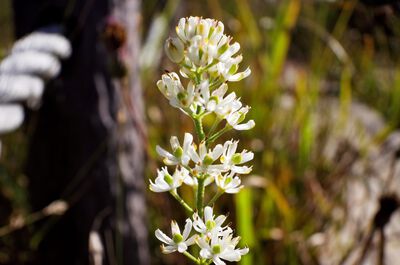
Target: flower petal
x: 188, y: 228
x: 163, y: 237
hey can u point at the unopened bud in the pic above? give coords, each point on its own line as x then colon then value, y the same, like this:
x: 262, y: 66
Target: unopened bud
x: 174, y: 49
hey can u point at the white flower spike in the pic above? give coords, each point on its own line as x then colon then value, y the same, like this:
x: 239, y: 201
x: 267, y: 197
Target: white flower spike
x: 209, y: 59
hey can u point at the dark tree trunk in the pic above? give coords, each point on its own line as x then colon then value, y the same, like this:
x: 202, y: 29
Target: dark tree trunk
x: 80, y: 150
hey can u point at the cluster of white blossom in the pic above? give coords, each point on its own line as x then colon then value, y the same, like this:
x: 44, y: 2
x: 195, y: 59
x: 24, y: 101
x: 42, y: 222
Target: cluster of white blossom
x: 215, y: 240
x: 208, y: 59
x: 220, y: 164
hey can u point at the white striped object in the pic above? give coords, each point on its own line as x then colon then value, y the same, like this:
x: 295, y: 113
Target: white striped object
x: 20, y: 88
x: 50, y: 43
x: 11, y: 117
x: 33, y: 59
x: 31, y: 63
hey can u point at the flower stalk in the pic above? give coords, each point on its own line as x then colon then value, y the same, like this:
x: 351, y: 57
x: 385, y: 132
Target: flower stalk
x: 182, y: 202
x: 216, y: 197
x: 208, y: 60
x: 192, y: 258
x: 199, y: 128
x: 200, y: 196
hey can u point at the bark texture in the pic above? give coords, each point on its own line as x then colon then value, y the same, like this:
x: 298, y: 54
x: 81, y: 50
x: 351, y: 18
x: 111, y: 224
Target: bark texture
x: 87, y: 145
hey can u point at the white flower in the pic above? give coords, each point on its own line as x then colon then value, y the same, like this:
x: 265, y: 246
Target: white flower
x: 209, y: 223
x: 179, y: 97
x: 165, y: 182
x: 235, y: 118
x: 180, y: 154
x: 228, y: 182
x: 232, y: 159
x: 186, y: 28
x: 221, y: 247
x: 179, y: 241
x: 210, y: 102
x: 205, y: 158
x: 229, y: 68
x: 227, y: 105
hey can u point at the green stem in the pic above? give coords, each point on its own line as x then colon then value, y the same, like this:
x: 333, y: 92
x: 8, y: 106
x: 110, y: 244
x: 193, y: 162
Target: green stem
x: 215, y: 198
x: 218, y: 134
x: 214, y: 126
x: 191, y: 257
x: 197, y: 78
x: 200, y: 195
x: 208, y: 66
x: 205, y: 261
x: 199, y: 128
x: 181, y: 201
x: 195, y: 189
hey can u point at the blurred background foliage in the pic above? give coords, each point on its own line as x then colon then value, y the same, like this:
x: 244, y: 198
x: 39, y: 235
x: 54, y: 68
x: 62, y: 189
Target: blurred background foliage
x: 315, y: 65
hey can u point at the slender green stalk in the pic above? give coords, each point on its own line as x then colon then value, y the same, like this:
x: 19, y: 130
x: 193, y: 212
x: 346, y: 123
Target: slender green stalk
x: 200, y: 196
x: 195, y: 189
x: 181, y: 201
x: 214, y: 126
x: 215, y: 198
x: 208, y: 66
x: 199, y: 128
x: 200, y: 187
x: 191, y: 257
x: 218, y: 134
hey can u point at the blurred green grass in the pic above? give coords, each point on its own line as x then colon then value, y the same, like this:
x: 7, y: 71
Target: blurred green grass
x: 300, y: 52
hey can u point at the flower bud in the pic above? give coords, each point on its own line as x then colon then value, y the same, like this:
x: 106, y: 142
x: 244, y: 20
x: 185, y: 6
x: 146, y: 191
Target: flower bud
x: 174, y: 49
